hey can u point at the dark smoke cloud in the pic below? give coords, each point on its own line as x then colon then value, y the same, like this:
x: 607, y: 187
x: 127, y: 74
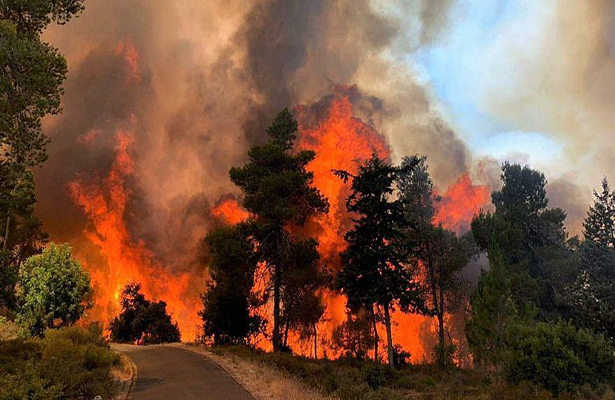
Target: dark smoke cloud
x: 199, y: 81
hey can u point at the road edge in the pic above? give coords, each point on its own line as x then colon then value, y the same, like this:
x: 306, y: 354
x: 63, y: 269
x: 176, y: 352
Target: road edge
x: 128, y: 384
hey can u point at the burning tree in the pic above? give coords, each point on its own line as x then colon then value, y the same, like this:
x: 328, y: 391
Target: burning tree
x: 143, y: 320
x: 439, y: 252
x: 278, y: 191
x: 374, y: 272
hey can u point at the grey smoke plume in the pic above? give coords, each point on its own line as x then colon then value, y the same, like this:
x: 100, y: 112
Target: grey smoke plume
x: 199, y: 81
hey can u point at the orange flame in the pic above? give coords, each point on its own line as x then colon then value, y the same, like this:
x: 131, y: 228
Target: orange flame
x: 461, y: 203
x: 104, y: 203
x: 230, y: 212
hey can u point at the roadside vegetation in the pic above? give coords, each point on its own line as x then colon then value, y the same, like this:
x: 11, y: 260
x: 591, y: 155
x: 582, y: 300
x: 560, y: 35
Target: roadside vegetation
x: 66, y: 363
x: 350, y: 378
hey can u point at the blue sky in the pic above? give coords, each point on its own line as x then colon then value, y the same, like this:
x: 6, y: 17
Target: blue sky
x: 453, y: 67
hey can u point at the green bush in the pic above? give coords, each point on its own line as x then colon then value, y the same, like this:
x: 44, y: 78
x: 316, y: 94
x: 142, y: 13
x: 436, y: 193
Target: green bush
x: 558, y: 356
x: 54, y: 290
x: 70, y: 363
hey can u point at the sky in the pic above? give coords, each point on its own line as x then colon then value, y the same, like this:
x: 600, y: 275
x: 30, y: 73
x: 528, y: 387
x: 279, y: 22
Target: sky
x: 454, y: 67
x: 501, y: 48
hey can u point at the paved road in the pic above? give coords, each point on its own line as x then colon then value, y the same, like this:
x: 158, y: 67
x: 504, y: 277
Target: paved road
x: 170, y: 372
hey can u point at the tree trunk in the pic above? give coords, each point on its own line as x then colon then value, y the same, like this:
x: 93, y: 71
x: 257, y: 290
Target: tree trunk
x: 441, y: 328
x: 376, y: 337
x: 286, y: 327
x: 276, y: 309
x: 6, y: 233
x: 387, y: 322
x: 315, y: 343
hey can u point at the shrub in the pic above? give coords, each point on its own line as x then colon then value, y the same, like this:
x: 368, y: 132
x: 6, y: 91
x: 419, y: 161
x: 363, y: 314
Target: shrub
x: 10, y: 330
x: 558, y: 356
x: 142, y: 319
x: 70, y: 363
x: 54, y: 290
x: 373, y: 375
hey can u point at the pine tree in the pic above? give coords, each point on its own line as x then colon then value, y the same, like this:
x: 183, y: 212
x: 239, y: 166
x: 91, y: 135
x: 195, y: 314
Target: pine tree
x: 599, y: 225
x: 491, y: 312
x: 435, y: 250
x: 374, y: 270
x: 278, y: 191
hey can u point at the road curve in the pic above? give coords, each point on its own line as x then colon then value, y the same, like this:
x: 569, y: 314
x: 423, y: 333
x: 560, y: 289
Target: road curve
x: 172, y: 372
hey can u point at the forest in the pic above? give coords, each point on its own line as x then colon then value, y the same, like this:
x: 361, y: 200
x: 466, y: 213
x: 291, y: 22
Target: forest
x: 538, y: 319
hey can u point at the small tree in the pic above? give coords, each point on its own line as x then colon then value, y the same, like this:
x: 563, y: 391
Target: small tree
x: 142, y: 320
x: 599, y: 225
x: 53, y: 291
x: 435, y: 250
x: 278, y: 190
x: 227, y: 303
x: 491, y: 312
x: 374, y: 271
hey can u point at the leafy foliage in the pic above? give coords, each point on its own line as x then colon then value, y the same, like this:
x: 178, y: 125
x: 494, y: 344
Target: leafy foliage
x: 143, y: 320
x: 69, y: 363
x: 492, y: 310
x: 599, y: 225
x: 530, y: 236
x: 32, y: 16
x: 30, y: 83
x: 54, y: 290
x: 558, y: 356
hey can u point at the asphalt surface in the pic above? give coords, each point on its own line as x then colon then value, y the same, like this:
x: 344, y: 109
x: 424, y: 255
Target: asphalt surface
x: 171, y: 372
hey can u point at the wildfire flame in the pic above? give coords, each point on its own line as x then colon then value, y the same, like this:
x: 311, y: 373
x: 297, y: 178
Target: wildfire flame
x: 104, y: 203
x: 340, y: 141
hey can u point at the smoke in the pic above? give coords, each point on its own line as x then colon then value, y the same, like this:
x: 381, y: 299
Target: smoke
x: 559, y: 62
x: 198, y: 82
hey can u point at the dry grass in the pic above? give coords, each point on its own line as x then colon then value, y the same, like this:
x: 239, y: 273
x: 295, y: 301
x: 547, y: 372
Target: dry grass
x: 263, y: 382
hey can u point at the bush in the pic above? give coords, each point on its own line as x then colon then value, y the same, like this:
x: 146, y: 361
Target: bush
x: 142, y: 319
x: 558, y: 357
x: 373, y: 375
x: 54, y: 290
x: 70, y: 363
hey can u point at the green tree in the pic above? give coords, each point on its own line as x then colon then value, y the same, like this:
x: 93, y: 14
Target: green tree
x: 374, y: 270
x: 143, y: 320
x: 599, y: 225
x: 530, y: 236
x: 278, y: 190
x: 32, y: 16
x: 492, y: 310
x: 228, y: 301
x: 54, y: 290
x: 591, y: 296
x: 31, y: 86
x: 435, y: 250
x: 303, y: 307
x: 31, y: 77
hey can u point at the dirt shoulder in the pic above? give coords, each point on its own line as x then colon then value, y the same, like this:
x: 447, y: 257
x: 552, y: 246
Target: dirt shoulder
x: 262, y: 381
